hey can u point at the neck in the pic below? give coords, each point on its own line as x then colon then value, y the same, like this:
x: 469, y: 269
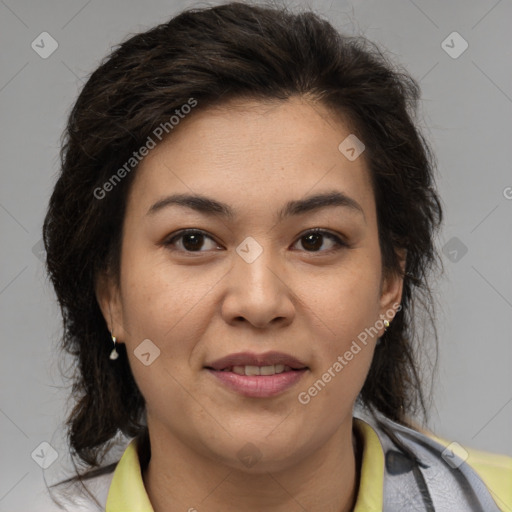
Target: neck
x: 179, y: 478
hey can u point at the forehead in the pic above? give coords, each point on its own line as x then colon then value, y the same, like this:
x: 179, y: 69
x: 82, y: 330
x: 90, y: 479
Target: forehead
x: 247, y: 151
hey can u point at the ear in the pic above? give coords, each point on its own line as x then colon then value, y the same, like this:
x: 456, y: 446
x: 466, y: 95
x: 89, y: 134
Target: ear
x: 392, y: 286
x: 109, y: 301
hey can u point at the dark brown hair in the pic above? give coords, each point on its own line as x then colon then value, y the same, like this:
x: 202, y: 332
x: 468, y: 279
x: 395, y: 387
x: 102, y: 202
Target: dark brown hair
x: 215, y: 54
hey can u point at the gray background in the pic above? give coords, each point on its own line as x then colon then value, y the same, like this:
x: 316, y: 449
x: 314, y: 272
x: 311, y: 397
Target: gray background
x: 466, y: 112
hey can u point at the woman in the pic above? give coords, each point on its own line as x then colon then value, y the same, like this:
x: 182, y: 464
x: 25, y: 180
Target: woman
x: 243, y: 223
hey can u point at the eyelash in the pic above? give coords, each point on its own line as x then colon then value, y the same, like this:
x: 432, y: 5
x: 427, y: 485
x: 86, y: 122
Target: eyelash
x: 339, y: 242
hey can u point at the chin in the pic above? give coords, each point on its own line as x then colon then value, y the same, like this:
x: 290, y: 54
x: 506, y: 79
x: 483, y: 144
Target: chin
x: 254, y: 452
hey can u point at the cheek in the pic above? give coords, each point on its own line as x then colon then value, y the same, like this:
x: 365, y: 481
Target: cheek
x: 347, y: 301
x: 169, y: 306
x: 347, y: 305
x: 342, y: 364
x: 159, y: 298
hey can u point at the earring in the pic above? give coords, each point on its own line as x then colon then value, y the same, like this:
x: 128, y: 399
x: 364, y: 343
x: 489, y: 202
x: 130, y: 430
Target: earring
x: 114, y: 354
x: 386, y: 325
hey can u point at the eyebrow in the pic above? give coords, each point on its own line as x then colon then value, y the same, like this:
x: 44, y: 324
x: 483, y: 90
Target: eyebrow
x: 214, y: 208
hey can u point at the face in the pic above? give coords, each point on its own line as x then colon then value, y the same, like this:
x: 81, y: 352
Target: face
x: 253, y: 305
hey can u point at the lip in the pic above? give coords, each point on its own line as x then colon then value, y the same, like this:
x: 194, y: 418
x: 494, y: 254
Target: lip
x: 257, y: 386
x: 252, y: 359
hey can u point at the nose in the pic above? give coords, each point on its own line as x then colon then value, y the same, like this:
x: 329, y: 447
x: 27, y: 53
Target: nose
x: 258, y: 293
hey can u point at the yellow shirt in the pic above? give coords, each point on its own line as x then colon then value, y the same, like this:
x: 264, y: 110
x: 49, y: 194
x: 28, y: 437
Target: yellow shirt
x: 127, y: 492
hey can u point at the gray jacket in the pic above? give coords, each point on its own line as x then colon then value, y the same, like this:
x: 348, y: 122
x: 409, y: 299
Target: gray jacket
x: 438, y: 481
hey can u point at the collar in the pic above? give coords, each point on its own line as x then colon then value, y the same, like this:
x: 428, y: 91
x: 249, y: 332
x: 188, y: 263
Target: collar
x: 127, y: 491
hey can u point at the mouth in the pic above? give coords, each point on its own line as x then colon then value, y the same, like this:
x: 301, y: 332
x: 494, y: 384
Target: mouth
x: 248, y: 370
x: 257, y: 375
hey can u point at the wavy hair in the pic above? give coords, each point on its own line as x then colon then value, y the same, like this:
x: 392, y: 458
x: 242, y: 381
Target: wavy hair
x: 215, y: 54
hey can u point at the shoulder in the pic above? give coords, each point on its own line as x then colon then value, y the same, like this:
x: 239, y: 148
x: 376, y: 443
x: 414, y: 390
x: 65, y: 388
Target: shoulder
x: 495, y: 470
x: 479, y: 470
x: 444, y: 473
x: 89, y: 496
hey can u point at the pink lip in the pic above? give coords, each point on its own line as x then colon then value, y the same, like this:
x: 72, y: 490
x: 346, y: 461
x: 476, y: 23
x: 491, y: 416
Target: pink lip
x: 259, y: 386
x: 251, y: 359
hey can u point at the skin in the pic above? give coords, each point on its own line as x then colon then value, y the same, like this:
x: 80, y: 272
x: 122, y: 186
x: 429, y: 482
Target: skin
x: 198, y: 306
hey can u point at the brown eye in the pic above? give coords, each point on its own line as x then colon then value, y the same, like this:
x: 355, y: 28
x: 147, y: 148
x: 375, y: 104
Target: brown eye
x: 193, y: 240
x: 315, y: 239
x: 190, y: 240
